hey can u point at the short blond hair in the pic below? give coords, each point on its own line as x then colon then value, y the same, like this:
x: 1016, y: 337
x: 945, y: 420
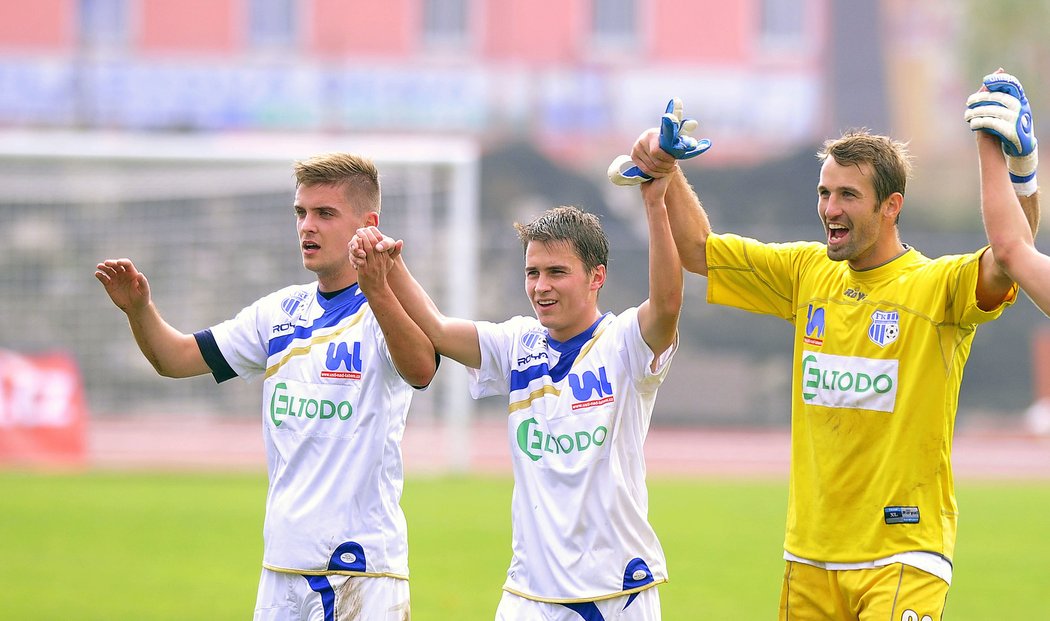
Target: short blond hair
x: 357, y: 173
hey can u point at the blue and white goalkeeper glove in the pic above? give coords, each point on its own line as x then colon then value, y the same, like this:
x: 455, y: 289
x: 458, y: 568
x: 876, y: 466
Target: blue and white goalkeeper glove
x: 1001, y: 108
x: 674, y: 139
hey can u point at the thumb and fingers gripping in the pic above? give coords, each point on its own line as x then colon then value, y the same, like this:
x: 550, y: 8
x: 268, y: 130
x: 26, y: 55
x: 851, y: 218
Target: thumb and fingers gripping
x: 674, y: 140
x: 623, y: 171
x: 1001, y: 108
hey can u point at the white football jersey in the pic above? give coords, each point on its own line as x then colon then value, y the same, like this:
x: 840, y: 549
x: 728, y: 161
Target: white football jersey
x: 579, y: 414
x: 333, y: 411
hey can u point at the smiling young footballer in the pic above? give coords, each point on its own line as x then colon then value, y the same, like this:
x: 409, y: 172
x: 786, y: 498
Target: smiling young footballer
x: 337, y: 381
x: 882, y: 334
x: 582, y: 385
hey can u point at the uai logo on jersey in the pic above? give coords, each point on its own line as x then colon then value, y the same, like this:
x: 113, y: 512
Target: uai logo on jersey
x: 814, y: 325
x: 885, y: 327
x: 590, y: 389
x: 342, y: 362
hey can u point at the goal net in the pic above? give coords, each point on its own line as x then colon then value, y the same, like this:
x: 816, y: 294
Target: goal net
x: 209, y: 220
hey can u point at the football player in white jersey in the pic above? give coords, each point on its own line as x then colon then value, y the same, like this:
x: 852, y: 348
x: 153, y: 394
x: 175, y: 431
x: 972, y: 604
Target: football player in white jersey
x: 582, y: 385
x: 337, y: 382
x: 882, y: 334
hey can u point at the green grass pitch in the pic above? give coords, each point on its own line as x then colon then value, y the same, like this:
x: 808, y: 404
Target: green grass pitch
x: 109, y: 546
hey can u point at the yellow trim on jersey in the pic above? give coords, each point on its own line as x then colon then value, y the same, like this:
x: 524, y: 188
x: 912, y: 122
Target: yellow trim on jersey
x: 317, y: 340
x: 588, y: 345
x: 335, y: 572
x: 581, y: 600
x: 551, y: 390
x: 536, y: 394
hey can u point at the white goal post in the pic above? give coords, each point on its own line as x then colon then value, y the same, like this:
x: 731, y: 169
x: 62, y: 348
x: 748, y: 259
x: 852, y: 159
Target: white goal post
x: 208, y: 218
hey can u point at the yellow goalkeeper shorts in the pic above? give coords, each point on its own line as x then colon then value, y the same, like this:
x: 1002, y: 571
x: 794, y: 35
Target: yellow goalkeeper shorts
x: 895, y: 592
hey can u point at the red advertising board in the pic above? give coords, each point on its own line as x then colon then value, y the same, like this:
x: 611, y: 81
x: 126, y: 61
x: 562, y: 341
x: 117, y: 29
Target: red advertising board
x: 43, y: 418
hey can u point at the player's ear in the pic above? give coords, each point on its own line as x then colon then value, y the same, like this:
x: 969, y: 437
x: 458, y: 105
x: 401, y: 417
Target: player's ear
x: 372, y: 219
x: 597, y: 278
x: 891, y: 207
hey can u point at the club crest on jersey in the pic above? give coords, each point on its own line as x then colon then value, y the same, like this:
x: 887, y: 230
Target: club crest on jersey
x: 885, y: 327
x: 590, y: 390
x: 343, y: 361
x: 533, y: 340
x: 291, y: 303
x: 814, y: 325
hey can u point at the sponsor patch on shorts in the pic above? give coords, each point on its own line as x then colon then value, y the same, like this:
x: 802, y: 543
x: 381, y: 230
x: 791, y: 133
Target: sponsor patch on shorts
x: 901, y: 515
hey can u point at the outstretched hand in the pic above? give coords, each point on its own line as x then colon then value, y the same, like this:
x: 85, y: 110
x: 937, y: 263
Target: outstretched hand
x: 126, y: 286
x: 673, y: 140
x: 1001, y: 108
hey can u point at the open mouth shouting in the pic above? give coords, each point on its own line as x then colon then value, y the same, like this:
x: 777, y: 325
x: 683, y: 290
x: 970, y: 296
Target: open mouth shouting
x: 837, y: 234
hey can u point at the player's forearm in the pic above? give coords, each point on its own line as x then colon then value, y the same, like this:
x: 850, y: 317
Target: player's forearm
x: 1007, y: 225
x: 415, y: 300
x: 666, y: 282
x: 689, y: 224
x: 172, y: 353
x: 410, y: 348
x: 1031, y: 270
x: 1030, y: 207
x: 454, y: 338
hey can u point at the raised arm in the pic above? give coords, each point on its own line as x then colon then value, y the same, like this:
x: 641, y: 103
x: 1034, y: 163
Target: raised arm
x: 1001, y: 119
x: 1009, y: 226
x: 411, y: 350
x: 451, y: 337
x: 658, y: 315
x: 171, y: 352
x: 993, y: 282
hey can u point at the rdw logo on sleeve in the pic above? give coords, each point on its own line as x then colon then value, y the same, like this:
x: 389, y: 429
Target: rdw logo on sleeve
x: 585, y: 386
x: 340, y: 356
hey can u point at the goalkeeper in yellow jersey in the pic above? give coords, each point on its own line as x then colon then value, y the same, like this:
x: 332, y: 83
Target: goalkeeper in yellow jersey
x: 882, y: 334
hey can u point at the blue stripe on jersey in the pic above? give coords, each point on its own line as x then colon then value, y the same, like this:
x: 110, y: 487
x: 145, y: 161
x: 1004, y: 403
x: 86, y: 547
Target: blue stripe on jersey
x: 568, y: 350
x: 588, y: 610
x: 323, y: 588
x: 344, y: 305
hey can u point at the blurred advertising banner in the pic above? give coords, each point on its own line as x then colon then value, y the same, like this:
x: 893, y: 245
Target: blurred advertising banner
x: 43, y: 417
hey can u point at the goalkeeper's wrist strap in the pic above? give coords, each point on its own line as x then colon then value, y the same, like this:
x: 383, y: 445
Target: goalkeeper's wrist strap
x: 1022, y: 173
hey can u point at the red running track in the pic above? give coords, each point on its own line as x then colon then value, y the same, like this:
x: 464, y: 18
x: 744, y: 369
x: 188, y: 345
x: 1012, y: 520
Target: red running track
x: 204, y: 444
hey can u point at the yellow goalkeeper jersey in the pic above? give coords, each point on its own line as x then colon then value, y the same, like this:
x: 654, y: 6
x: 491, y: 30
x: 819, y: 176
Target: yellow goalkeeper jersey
x: 878, y: 360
